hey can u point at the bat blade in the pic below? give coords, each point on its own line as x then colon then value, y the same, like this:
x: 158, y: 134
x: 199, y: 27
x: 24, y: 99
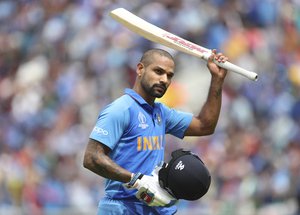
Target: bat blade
x: 158, y: 35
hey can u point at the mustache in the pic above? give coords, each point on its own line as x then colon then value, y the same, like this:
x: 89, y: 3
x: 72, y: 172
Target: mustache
x: 161, y: 86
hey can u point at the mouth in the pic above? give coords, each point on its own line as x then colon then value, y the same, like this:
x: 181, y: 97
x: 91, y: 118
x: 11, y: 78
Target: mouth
x: 160, y: 88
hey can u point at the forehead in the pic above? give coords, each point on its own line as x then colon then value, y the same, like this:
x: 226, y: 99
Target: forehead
x: 162, y: 61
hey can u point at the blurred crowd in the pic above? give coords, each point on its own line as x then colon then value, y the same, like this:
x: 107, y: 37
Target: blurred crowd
x: 62, y: 61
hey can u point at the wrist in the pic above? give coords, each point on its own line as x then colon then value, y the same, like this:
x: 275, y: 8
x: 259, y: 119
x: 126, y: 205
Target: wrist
x: 217, y: 80
x: 134, y: 178
x: 216, y: 87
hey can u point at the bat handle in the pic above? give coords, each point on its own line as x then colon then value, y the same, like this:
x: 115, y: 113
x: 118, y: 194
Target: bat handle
x: 234, y: 68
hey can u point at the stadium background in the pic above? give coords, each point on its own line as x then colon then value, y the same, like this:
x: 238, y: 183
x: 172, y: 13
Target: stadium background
x: 62, y: 61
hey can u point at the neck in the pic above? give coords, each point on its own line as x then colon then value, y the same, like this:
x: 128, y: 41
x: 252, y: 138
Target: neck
x: 139, y: 90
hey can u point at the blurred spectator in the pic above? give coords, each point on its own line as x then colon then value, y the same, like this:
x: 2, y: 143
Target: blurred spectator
x: 62, y: 60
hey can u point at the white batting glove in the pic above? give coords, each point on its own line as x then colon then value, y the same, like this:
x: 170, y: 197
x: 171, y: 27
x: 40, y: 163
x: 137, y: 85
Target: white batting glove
x: 149, y: 190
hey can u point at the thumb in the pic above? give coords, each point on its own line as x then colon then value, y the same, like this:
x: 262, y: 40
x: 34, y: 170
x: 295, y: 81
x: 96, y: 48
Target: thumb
x: 211, y: 57
x: 156, y: 170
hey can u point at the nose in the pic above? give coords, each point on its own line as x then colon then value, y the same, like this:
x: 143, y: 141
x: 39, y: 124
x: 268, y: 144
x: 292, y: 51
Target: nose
x: 164, y: 78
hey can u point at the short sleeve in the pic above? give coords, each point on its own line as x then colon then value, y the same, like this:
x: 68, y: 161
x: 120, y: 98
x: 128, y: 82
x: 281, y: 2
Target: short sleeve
x: 176, y: 121
x: 111, y: 124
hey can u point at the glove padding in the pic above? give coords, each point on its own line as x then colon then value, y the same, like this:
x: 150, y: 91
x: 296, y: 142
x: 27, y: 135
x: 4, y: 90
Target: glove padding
x: 149, y: 190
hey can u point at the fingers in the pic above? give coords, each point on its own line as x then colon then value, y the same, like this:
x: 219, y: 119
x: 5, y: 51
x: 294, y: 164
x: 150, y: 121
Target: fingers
x: 154, y: 196
x: 151, y: 197
x: 219, y: 57
x: 159, y: 200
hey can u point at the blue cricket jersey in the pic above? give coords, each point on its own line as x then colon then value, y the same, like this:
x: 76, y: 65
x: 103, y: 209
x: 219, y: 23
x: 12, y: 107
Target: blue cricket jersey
x: 135, y: 132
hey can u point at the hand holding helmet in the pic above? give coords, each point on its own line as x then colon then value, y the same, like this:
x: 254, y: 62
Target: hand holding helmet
x: 149, y: 190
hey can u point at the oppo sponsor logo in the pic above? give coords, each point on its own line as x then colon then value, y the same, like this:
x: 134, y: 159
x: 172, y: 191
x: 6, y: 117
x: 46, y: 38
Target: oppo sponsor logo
x: 100, y: 131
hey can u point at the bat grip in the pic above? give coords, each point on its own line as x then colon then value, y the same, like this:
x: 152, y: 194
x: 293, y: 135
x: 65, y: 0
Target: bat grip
x: 234, y: 68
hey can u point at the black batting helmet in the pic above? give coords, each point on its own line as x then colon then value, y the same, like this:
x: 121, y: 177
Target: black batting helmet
x: 185, y: 176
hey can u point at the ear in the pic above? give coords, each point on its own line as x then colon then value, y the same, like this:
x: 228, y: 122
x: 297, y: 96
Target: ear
x: 140, y: 69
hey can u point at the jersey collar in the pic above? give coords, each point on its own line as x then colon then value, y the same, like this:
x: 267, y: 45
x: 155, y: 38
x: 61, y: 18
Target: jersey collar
x: 138, y: 98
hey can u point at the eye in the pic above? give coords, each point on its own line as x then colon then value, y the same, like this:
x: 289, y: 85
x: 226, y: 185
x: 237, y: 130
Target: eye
x: 170, y: 75
x: 159, y: 71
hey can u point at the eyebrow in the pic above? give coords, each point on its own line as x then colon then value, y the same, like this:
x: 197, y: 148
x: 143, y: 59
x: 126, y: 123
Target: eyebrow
x: 161, y: 69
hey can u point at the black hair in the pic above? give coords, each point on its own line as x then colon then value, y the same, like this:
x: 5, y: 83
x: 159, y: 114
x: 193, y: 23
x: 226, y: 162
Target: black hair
x: 147, y: 57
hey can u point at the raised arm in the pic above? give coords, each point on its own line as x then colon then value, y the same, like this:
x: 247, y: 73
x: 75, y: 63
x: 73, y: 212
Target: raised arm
x: 206, y: 121
x: 97, y: 160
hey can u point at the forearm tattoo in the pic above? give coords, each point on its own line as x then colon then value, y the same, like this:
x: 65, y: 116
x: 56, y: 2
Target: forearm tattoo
x: 97, y: 161
x: 217, y: 93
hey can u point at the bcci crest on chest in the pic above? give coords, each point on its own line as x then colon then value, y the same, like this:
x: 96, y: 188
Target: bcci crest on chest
x: 158, y: 119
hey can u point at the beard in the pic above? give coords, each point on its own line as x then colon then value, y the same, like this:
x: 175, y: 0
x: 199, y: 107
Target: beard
x: 156, y: 90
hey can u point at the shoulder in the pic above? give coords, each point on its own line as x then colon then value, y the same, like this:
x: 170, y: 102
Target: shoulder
x: 124, y: 101
x: 162, y: 107
x: 172, y: 113
x: 118, y: 108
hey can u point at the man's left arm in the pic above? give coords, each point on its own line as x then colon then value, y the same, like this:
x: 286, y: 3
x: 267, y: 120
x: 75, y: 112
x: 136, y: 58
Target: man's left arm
x: 206, y: 121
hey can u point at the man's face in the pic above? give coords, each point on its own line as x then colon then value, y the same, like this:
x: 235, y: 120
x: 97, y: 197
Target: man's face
x: 157, y: 76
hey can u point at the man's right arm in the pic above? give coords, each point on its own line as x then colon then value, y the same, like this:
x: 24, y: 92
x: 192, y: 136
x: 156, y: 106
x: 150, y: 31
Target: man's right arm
x: 149, y: 191
x: 96, y: 159
x: 206, y: 121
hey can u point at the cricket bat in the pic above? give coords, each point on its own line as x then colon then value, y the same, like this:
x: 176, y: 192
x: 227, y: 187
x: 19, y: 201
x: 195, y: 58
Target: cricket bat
x: 158, y: 35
